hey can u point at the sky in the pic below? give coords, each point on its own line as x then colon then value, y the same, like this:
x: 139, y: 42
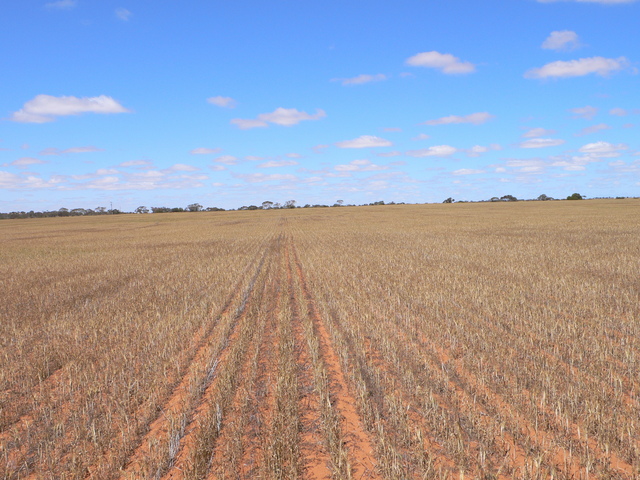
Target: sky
x: 231, y: 103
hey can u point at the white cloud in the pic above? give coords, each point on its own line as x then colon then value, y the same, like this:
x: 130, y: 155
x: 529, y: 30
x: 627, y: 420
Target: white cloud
x: 44, y: 108
x: 587, y: 112
x: 593, y: 129
x: 527, y: 166
x: 444, y: 62
x: 360, y: 79
x: 541, y: 143
x: 365, y: 141
x: 422, y: 136
x: 205, y: 151
x: 182, y: 167
x: 62, y: 4
x: 360, y: 166
x: 263, y: 177
x: 320, y: 148
x: 290, y: 116
x: 136, y: 163
x: 280, y: 116
x: 248, y: 123
x: 224, y: 102
x: 618, y: 112
x: 217, y: 168
x: 278, y: 163
x: 227, y: 160
x: 391, y: 129
x: 294, y: 155
x: 123, y: 14
x: 578, y: 68
x: 24, y: 162
x: 435, y: 151
x: 563, y: 40
x: 56, y: 151
x: 602, y: 149
x: 475, y: 118
x: 467, y: 171
x: 389, y: 154
x: 537, y: 132
x: 478, y: 150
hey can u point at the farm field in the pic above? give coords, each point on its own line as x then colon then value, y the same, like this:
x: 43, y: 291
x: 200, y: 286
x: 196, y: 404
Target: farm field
x: 490, y: 341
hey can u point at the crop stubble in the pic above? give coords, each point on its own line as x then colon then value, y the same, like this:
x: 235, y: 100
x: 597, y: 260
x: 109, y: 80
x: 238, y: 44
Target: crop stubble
x: 447, y: 341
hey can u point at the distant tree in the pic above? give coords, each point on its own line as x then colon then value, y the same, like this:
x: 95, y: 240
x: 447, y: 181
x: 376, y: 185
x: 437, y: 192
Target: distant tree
x: 448, y: 200
x: 276, y: 205
x: 63, y: 212
x: 214, y: 209
x: 177, y: 209
x: 101, y: 210
x: 267, y: 205
x: 307, y: 206
x: 252, y: 207
x: 495, y: 199
x: 544, y: 198
x: 339, y: 202
x: 142, y: 209
x: 575, y: 196
x: 194, y: 207
x: 379, y: 202
x: 290, y: 204
x: 508, y: 198
x: 76, y: 212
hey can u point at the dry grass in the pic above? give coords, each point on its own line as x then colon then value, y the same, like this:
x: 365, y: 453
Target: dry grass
x: 484, y: 340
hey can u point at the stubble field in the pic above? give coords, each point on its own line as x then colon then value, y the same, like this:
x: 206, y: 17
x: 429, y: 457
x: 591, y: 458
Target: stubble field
x: 435, y: 341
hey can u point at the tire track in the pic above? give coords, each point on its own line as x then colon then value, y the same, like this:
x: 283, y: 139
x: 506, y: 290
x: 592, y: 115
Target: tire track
x: 241, y: 438
x: 169, y: 426
x: 314, y: 458
x: 361, y: 454
x: 198, y: 445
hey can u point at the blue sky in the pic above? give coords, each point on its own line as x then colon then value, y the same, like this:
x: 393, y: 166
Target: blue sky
x: 167, y: 103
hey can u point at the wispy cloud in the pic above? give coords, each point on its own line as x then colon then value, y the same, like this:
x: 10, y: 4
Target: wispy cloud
x: 360, y: 166
x: 24, y: 162
x: 56, y: 151
x: 264, y: 177
x: 537, y: 132
x: 618, y: 112
x: 587, y: 112
x: 564, y: 40
x: 603, y: 149
x: 468, y: 171
x: 45, y: 108
x: 62, y: 4
x: 361, y: 79
x: 227, y: 160
x: 578, y: 68
x: 224, y: 102
x: 205, y: 151
x: 445, y: 62
x: 364, y: 141
x: 474, y: 118
x: 435, y: 151
x: 541, y: 143
x: 123, y: 14
x: 280, y: 116
x: 593, y: 129
x: 277, y: 163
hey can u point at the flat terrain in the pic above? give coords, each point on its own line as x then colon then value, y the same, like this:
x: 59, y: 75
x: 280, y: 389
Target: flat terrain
x: 434, y: 341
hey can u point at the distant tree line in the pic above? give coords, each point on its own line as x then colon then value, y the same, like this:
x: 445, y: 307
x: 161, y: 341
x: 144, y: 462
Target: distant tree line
x: 266, y: 205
